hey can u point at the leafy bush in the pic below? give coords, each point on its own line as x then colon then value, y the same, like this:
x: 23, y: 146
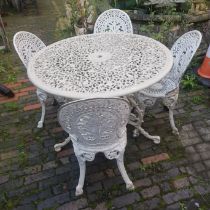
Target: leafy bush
x: 166, y: 29
x: 189, y: 82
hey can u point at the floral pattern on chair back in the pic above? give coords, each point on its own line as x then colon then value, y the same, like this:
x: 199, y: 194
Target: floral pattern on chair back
x: 95, y: 123
x: 183, y: 51
x: 27, y: 44
x: 113, y: 20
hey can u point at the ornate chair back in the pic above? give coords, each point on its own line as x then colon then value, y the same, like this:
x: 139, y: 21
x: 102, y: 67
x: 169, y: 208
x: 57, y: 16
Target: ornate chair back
x: 113, y: 20
x: 26, y: 45
x: 95, y: 123
x: 183, y: 51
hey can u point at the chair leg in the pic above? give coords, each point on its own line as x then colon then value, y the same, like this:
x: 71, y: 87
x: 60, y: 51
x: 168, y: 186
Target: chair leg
x: 170, y: 103
x: 173, y: 126
x: 120, y: 164
x: 42, y: 96
x: 58, y: 147
x: 82, y: 167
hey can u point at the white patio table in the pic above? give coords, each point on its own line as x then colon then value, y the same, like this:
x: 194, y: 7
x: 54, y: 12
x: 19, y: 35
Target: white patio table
x: 100, y: 65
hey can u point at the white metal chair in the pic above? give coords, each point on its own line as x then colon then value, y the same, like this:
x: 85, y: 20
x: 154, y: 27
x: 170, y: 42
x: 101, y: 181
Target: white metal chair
x: 26, y: 45
x: 113, y: 20
x: 96, y: 125
x: 167, y: 89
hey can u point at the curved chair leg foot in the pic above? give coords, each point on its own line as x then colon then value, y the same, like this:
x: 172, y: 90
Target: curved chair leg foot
x: 82, y: 167
x: 41, y: 121
x: 135, y: 133
x: 121, y: 166
x: 40, y: 124
x: 130, y: 186
x: 171, y: 118
x: 42, y: 96
x: 79, y: 191
x: 155, y: 139
x: 59, y: 146
x: 175, y: 131
x: 170, y: 102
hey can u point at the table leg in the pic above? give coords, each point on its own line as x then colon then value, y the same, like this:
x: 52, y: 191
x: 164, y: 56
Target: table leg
x: 137, y: 119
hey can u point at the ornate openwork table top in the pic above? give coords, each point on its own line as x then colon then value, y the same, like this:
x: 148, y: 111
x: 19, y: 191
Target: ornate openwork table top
x: 100, y: 65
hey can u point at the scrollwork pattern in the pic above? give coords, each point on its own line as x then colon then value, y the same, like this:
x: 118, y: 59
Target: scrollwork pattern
x: 95, y: 123
x: 113, y: 20
x: 167, y: 89
x: 113, y: 154
x: 27, y: 44
x: 93, y: 126
x: 183, y: 51
x: 87, y: 156
x: 99, y: 63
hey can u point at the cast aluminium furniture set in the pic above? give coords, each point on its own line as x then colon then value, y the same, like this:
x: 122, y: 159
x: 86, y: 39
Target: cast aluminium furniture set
x: 106, y: 74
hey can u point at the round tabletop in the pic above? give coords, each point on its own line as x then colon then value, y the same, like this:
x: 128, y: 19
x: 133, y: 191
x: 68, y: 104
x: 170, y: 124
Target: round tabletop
x: 100, y: 65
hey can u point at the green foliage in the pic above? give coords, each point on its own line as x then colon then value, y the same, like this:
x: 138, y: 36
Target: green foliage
x: 65, y: 24
x: 189, y: 82
x: 156, y: 32
x: 76, y: 14
x: 198, y: 99
x: 195, y: 63
x: 7, y: 203
x: 2, y: 67
x: 169, y: 20
x: 4, y: 134
x: 22, y: 156
x: 129, y: 207
x: 7, y: 71
x: 182, y: 206
x: 92, y: 205
x: 11, y: 106
x: 109, y: 204
x: 151, y: 168
x: 123, y: 4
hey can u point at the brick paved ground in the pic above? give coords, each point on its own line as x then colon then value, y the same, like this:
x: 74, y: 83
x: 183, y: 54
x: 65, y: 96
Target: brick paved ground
x: 166, y: 176
x: 172, y: 175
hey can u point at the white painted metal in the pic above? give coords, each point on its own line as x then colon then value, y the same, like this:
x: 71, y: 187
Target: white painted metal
x: 113, y: 20
x: 100, y: 65
x: 27, y: 45
x: 96, y: 125
x: 167, y: 89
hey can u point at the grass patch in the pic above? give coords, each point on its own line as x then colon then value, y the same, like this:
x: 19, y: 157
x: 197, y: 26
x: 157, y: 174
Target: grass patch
x: 11, y: 106
x: 22, y: 156
x: 109, y: 204
x: 9, y: 69
x: 4, y: 134
x: 198, y: 99
x: 178, y: 153
x: 9, y: 203
x: 151, y: 168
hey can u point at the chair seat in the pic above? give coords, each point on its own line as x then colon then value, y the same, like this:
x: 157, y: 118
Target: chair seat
x: 160, y: 89
x: 101, y: 148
